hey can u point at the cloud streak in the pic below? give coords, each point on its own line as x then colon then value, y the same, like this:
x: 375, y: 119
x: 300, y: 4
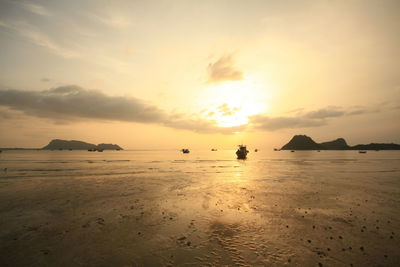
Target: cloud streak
x: 66, y: 104
x: 34, y: 8
x: 223, y: 70
x: 39, y: 38
x: 71, y: 103
x: 314, y: 118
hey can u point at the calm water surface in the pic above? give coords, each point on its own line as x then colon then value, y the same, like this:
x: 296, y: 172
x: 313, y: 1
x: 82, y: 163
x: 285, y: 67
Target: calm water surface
x: 165, y: 208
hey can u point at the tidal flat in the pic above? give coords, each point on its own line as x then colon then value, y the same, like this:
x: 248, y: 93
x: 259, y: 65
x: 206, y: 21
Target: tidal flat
x: 164, y: 208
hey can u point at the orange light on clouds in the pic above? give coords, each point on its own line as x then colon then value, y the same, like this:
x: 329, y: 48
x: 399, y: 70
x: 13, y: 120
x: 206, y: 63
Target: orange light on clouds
x: 232, y: 102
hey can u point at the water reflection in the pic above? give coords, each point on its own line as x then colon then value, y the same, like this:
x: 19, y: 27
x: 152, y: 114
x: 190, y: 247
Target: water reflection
x: 203, y: 208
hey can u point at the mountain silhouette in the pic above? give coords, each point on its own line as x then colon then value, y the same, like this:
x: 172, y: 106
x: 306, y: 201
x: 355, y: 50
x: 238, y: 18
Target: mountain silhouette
x: 304, y: 142
x: 338, y: 144
x: 301, y: 142
x: 78, y: 145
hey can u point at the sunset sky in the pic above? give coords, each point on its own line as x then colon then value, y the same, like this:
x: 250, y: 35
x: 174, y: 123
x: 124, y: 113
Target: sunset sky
x: 199, y: 74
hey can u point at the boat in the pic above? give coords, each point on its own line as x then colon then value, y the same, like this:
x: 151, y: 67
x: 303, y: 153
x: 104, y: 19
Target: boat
x: 241, y: 153
x: 214, y: 149
x: 185, y: 151
x: 91, y: 150
x: 256, y: 150
x: 100, y: 150
x: 275, y: 149
x: 362, y: 152
x: 292, y: 151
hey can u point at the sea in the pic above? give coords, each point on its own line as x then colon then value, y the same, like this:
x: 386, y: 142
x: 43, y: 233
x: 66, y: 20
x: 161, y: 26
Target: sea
x: 205, y: 208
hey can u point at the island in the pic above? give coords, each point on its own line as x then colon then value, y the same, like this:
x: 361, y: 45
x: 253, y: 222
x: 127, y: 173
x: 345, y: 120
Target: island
x: 58, y: 144
x: 304, y: 142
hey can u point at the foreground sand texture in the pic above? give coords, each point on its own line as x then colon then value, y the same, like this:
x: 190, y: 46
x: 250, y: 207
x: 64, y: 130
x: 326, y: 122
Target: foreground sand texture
x: 299, y: 209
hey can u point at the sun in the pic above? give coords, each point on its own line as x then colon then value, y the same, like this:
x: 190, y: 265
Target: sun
x: 232, y: 103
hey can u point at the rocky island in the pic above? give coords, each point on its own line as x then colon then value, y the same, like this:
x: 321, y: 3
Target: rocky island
x: 304, y: 142
x: 58, y: 144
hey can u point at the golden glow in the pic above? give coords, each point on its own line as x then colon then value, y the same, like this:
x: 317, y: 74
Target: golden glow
x: 232, y: 102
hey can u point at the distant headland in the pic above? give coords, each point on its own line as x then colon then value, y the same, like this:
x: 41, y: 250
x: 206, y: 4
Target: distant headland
x: 304, y: 142
x: 58, y: 144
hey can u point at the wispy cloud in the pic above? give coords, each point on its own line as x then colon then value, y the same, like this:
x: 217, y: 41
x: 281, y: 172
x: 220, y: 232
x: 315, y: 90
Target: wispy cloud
x: 110, y: 20
x: 275, y: 123
x: 314, y: 118
x: 71, y: 103
x: 223, y: 70
x: 329, y: 112
x: 225, y: 110
x: 67, y: 104
x: 37, y: 37
x: 34, y: 8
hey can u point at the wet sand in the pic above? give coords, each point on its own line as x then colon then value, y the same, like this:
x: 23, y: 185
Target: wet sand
x: 293, y: 212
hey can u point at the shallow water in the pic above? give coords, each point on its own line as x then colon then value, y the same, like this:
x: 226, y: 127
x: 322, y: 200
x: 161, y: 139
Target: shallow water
x: 165, y: 208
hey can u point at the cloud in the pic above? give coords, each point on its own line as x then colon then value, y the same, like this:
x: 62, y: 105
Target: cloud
x: 324, y: 113
x: 34, y: 8
x: 73, y: 103
x: 276, y: 123
x: 39, y: 38
x: 314, y: 118
x: 202, y: 126
x: 223, y: 70
x: 114, y: 20
x: 68, y: 102
x: 225, y: 110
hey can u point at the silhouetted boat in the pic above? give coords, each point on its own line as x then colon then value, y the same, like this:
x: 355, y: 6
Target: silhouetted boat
x: 214, y: 149
x: 99, y: 150
x: 362, y: 152
x: 91, y: 150
x: 241, y: 153
x: 256, y: 150
x: 319, y: 151
x: 275, y: 149
x: 185, y: 151
x: 291, y: 150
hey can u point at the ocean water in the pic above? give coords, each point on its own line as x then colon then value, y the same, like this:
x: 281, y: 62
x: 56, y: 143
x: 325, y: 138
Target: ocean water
x: 165, y: 208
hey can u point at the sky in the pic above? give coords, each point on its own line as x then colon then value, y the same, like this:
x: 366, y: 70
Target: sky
x: 199, y: 74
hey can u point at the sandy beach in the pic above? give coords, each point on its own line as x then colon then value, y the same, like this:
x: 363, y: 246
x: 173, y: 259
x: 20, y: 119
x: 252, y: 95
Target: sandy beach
x: 334, y: 209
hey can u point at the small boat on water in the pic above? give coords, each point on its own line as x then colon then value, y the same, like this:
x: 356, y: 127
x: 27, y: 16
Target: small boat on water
x: 291, y: 150
x: 256, y: 150
x: 214, y: 149
x: 241, y: 153
x: 362, y: 152
x: 185, y: 151
x: 99, y: 150
x: 275, y: 149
